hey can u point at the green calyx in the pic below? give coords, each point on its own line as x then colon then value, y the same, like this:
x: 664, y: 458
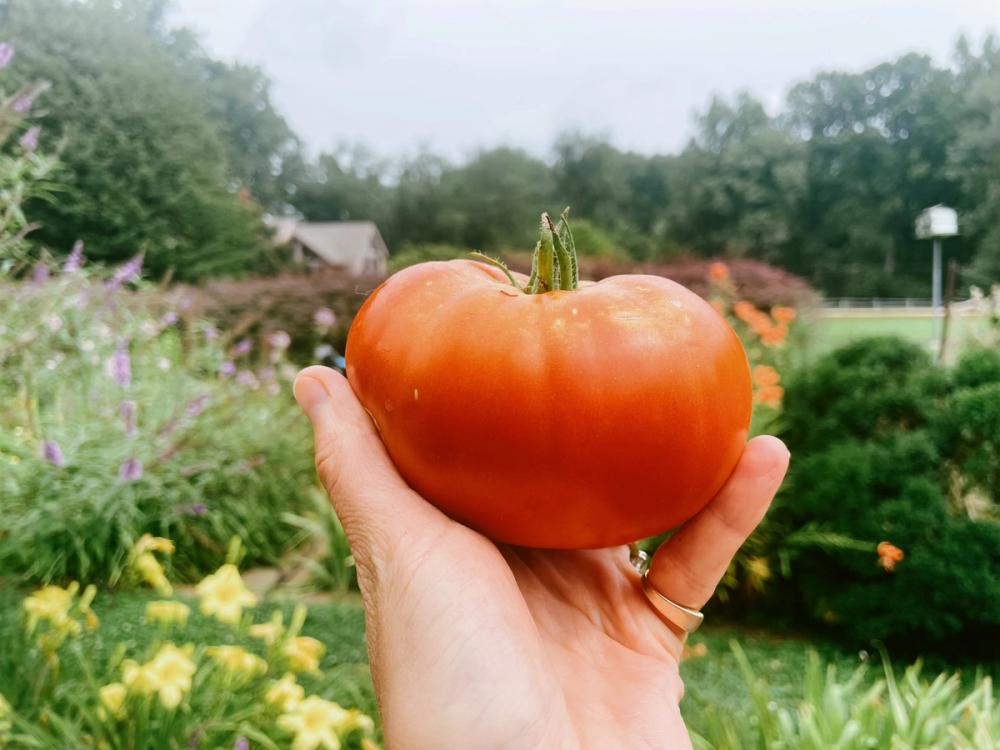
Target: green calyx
x: 553, y: 265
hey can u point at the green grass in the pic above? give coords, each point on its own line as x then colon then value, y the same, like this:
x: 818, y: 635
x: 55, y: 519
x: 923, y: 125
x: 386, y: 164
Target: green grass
x: 713, y: 681
x: 829, y: 331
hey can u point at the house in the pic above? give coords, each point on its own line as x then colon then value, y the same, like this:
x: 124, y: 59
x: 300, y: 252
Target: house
x: 355, y: 247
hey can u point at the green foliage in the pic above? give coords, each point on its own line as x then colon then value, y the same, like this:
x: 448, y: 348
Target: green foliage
x: 331, y: 565
x: 144, y: 165
x: 856, y: 713
x: 117, y: 421
x: 886, y: 449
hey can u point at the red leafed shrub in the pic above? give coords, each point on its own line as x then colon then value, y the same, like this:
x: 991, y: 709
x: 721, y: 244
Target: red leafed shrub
x: 762, y: 284
x: 297, y: 303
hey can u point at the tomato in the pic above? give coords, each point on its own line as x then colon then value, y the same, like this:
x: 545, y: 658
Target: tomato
x: 576, y: 418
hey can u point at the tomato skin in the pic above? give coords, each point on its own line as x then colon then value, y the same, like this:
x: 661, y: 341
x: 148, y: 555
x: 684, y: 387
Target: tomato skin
x: 573, y: 419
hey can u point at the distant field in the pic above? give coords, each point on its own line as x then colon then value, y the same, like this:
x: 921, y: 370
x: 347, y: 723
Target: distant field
x: 832, y: 328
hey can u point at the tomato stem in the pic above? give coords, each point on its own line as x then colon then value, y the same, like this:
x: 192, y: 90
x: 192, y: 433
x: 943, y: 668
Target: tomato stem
x: 553, y: 264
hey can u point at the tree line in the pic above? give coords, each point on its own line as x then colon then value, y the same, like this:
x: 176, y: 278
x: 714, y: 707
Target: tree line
x: 169, y: 151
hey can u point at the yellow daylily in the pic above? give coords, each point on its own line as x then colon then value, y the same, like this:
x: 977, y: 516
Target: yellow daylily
x: 140, y: 679
x: 167, y: 613
x: 168, y: 674
x: 285, y: 694
x: 315, y: 723
x: 112, y: 697
x: 269, y: 632
x: 303, y: 653
x: 237, y: 660
x: 223, y: 595
x: 52, y: 604
x: 152, y: 573
x: 150, y: 543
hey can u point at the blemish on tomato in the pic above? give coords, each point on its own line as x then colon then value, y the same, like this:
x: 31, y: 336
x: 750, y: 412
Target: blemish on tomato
x: 416, y: 394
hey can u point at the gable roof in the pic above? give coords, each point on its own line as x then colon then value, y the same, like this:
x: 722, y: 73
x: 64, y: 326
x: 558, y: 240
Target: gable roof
x: 339, y: 242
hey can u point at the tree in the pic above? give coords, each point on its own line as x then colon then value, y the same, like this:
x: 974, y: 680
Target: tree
x: 144, y: 166
x: 737, y: 185
x: 975, y: 156
x: 877, y: 145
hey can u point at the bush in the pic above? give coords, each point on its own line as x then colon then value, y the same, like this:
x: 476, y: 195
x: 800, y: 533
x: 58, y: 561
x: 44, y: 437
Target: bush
x: 116, y: 422
x: 857, y: 713
x: 882, y: 444
x: 315, y: 309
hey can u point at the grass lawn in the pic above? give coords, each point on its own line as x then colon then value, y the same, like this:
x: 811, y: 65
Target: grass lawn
x: 831, y: 329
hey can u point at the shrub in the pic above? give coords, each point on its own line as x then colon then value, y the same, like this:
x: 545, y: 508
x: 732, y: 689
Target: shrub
x: 753, y: 281
x: 880, y: 438
x: 315, y: 309
x: 116, y: 422
x: 856, y: 713
x: 216, y: 674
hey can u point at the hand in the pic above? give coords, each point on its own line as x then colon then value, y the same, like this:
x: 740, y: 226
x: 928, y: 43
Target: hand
x: 478, y: 645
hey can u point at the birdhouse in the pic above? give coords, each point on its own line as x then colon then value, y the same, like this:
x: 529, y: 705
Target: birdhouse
x: 937, y: 221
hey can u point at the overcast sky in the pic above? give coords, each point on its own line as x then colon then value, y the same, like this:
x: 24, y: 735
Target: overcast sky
x: 455, y: 75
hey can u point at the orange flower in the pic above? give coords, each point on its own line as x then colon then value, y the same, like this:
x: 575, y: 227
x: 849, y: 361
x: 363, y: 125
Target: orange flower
x: 745, y: 310
x: 718, y: 272
x: 764, y: 375
x: 888, y: 555
x: 769, y: 395
x: 783, y: 314
x: 774, y: 335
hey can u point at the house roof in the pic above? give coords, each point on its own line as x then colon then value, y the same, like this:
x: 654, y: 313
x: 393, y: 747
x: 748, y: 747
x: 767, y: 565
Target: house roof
x: 336, y: 242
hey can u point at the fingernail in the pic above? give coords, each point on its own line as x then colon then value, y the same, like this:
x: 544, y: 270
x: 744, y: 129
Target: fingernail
x: 310, y: 394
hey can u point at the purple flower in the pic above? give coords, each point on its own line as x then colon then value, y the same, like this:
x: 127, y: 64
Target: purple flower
x: 168, y: 319
x: 75, y: 258
x: 227, y: 370
x: 243, y: 346
x: 128, y: 410
x: 242, y: 743
x: 6, y: 53
x: 40, y: 273
x: 29, y: 141
x: 246, y: 378
x: 195, y: 509
x: 325, y: 318
x: 126, y: 273
x: 130, y: 470
x: 211, y: 332
x: 196, y: 407
x: 52, y: 453
x: 120, y: 365
x: 23, y: 103
x: 280, y: 340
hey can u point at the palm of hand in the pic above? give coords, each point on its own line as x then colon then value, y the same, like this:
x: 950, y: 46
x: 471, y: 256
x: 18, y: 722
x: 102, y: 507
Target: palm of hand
x: 523, y: 649
x: 475, y: 645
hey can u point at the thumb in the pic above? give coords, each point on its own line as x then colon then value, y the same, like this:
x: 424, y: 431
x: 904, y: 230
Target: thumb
x: 374, y: 504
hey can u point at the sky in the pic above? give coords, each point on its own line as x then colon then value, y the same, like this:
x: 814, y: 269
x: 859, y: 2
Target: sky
x: 454, y: 76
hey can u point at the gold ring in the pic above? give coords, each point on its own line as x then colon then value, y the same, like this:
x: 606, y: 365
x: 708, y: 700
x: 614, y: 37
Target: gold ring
x: 685, y: 618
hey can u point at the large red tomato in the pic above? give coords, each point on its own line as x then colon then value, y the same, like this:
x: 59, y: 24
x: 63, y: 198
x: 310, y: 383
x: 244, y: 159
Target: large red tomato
x: 574, y: 419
